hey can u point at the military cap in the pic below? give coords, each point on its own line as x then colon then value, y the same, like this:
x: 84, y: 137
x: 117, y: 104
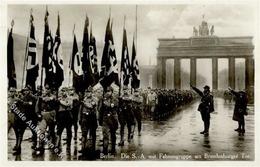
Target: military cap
x: 109, y: 89
x: 90, y: 89
x: 12, y: 89
x: 206, y: 87
x: 70, y: 88
x: 63, y: 89
x: 28, y: 87
x: 137, y: 90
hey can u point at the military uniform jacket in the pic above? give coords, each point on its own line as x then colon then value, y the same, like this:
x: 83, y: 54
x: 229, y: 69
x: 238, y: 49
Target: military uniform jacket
x: 207, y: 103
x: 49, y: 103
x: 152, y: 99
x: 27, y: 103
x: 241, y: 103
x: 137, y: 102
x: 125, y: 102
x: 88, y: 110
x: 65, y: 103
x: 89, y: 106
x: 108, y: 112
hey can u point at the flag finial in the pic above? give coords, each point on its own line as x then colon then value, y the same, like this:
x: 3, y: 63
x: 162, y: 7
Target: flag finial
x: 12, y: 24
x: 90, y: 29
x: 109, y: 11
x: 124, y: 21
x: 73, y: 31
x: 87, y: 20
x: 31, y: 16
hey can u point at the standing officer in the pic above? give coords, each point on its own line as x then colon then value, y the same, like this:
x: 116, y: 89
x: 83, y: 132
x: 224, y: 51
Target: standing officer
x: 240, y: 109
x: 64, y: 118
x: 137, y: 109
x: 88, y: 120
x: 108, y: 119
x: 206, y: 106
x: 125, y: 115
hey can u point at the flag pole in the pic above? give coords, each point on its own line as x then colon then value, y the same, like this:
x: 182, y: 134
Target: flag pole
x: 73, y: 33
x: 136, y: 28
x: 109, y: 11
x: 134, y: 38
x: 26, y: 50
x: 42, y: 53
x: 120, y: 77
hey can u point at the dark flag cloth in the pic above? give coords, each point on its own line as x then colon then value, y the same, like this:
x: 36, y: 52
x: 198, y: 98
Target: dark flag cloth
x: 57, y: 58
x: 76, y: 67
x: 32, y: 59
x: 86, y: 61
x: 10, y: 61
x: 125, y: 62
x: 47, y: 54
x: 93, y: 56
x: 135, y: 83
x: 109, y: 69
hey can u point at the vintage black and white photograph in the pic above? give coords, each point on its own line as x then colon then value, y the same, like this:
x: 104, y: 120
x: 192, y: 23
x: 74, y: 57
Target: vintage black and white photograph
x: 130, y: 82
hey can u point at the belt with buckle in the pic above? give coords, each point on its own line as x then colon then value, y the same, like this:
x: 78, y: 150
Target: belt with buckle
x: 109, y: 114
x: 86, y: 113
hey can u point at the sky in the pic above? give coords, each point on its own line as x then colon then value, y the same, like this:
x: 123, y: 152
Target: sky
x: 153, y: 22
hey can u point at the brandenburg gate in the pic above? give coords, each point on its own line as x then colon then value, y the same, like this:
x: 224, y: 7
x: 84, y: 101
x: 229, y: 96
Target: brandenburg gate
x: 204, y: 44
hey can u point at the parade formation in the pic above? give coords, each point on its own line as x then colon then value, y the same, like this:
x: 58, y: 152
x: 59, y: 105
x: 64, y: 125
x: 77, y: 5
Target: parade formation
x: 110, y: 99
x: 52, y: 114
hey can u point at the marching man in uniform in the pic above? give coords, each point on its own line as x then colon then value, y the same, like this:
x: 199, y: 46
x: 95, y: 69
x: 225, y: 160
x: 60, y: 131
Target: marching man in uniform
x: 47, y: 106
x: 88, y: 120
x: 108, y: 119
x: 126, y: 116
x: 64, y: 118
x: 137, y: 109
x: 152, y: 101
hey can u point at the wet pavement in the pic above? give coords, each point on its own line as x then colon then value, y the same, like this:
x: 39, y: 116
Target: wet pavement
x: 176, y: 138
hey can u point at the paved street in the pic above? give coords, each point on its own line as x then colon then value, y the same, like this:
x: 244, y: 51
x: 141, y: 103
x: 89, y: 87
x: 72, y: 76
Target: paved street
x: 176, y: 138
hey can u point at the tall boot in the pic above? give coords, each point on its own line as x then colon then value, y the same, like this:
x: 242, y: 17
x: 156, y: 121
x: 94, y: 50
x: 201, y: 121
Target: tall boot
x: 58, y: 142
x: 69, y: 137
x: 121, y: 143
x: 34, y: 141
x: 18, y: 148
x: 94, y: 140
x: 83, y: 144
x: 113, y: 143
x: 105, y: 146
x: 129, y: 133
x: 139, y: 126
x: 41, y: 147
x: 132, y: 131
x: 75, y: 132
x: 16, y: 141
